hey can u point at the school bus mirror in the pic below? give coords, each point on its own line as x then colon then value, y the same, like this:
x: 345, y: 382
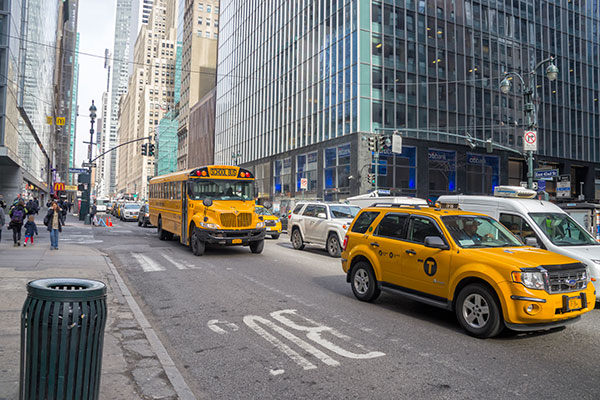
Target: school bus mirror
x: 207, y: 202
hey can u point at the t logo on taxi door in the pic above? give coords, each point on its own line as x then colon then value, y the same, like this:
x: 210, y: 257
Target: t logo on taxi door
x: 430, y: 267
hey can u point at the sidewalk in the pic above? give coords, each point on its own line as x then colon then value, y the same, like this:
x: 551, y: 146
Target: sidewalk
x: 130, y: 368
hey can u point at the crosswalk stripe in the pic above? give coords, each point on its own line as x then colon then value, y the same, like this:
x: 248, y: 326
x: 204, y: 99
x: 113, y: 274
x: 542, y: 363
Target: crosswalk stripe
x: 148, y: 264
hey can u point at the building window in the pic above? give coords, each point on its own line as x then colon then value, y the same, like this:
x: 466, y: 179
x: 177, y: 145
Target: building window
x: 216, y: 35
x: 208, y: 8
x: 483, y: 173
x: 200, y: 7
x: 337, y: 167
x: 306, y: 167
x: 199, y: 20
x: 442, y: 172
x: 282, y: 176
x: 207, y: 34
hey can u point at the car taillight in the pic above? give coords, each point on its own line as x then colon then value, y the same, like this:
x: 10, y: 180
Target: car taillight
x: 290, y: 216
x: 345, y: 243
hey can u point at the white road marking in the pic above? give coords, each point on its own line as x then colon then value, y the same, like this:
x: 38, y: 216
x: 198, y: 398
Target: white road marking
x: 177, y: 264
x: 276, y: 372
x: 148, y: 264
x: 251, y: 321
x: 212, y: 325
x: 314, y: 333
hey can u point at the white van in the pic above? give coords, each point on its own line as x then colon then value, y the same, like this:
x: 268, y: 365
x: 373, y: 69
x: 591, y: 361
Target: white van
x: 382, y: 196
x: 536, y: 222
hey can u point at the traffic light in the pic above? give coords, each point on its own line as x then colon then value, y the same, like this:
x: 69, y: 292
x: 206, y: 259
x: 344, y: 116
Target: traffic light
x: 145, y: 149
x: 151, y: 150
x: 371, y: 178
x: 384, y: 143
x: 372, y: 141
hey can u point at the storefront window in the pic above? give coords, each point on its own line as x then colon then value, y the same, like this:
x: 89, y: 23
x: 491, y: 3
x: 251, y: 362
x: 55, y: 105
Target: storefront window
x: 306, y: 167
x: 282, y: 176
x: 483, y: 173
x: 398, y: 171
x: 442, y: 171
x: 337, y: 167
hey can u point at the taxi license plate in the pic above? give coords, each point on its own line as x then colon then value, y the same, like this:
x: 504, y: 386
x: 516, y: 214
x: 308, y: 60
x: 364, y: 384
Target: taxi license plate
x: 269, y: 229
x: 236, y: 241
x: 575, y: 303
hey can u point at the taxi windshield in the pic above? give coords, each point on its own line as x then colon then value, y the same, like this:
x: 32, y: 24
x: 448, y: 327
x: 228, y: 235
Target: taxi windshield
x: 132, y: 206
x: 474, y: 231
x: 562, y: 230
x: 343, y: 211
x: 263, y: 211
x: 200, y: 189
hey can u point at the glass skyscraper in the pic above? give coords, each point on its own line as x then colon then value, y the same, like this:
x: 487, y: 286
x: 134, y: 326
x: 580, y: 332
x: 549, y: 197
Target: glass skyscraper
x: 303, y: 84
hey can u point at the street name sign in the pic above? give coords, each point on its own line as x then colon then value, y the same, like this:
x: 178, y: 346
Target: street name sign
x: 545, y: 173
x: 87, y: 165
x: 530, y: 142
x: 78, y: 170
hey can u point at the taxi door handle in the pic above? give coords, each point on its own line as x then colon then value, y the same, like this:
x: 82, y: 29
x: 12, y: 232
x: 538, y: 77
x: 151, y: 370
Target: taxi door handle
x: 411, y: 252
x: 375, y: 244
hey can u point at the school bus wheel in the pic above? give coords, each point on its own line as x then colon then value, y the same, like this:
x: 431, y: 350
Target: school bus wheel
x: 257, y: 246
x: 197, y: 245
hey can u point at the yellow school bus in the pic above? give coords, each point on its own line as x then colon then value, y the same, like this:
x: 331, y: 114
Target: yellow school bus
x: 207, y: 205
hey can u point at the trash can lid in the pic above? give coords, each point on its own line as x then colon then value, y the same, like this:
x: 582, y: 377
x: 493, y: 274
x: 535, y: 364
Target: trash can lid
x: 66, y: 289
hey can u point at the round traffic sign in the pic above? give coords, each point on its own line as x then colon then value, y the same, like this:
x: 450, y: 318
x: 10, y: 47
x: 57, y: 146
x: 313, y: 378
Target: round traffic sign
x: 530, y: 137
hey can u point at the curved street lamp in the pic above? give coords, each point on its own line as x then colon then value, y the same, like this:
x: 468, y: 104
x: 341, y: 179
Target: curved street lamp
x: 529, y: 108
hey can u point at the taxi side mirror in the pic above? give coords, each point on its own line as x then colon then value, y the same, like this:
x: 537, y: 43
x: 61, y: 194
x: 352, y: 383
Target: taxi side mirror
x: 531, y: 241
x: 436, y: 242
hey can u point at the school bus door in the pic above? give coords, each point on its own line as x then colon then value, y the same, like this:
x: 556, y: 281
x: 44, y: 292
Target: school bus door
x: 184, y: 213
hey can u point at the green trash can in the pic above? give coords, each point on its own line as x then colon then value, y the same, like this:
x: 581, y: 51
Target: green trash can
x: 62, y: 333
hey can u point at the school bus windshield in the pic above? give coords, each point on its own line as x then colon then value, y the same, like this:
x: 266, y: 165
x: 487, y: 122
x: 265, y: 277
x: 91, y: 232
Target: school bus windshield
x: 221, y: 189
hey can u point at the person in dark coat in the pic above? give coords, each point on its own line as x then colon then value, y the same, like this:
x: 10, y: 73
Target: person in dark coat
x: 31, y: 208
x: 30, y: 229
x: 17, y: 215
x: 53, y: 222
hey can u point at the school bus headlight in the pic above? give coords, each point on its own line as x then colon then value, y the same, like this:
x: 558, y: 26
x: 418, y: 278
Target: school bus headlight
x: 260, y: 224
x: 207, y: 225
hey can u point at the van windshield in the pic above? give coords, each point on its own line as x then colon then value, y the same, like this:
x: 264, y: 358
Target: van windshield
x: 562, y: 230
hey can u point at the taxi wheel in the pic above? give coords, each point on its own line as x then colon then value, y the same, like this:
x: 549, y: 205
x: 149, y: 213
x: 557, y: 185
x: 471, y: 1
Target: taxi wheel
x: 257, y: 246
x: 297, y: 239
x: 197, y: 245
x: 478, y: 312
x: 364, y: 284
x: 333, y: 245
x: 275, y: 236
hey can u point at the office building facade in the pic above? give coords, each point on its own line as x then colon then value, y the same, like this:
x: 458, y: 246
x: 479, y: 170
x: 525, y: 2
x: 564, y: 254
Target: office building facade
x: 302, y: 85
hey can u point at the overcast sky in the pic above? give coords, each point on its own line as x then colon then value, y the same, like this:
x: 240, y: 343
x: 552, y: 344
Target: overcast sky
x: 96, y: 27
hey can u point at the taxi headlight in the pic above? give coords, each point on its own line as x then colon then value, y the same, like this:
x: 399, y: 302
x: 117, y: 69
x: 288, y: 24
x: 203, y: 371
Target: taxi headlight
x: 260, y: 224
x: 531, y: 280
x: 209, y: 225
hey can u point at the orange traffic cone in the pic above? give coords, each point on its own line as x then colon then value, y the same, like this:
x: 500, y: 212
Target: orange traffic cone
x: 109, y: 222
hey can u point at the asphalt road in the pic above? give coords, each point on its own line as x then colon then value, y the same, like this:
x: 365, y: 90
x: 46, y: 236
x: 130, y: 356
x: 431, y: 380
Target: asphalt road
x: 285, y: 324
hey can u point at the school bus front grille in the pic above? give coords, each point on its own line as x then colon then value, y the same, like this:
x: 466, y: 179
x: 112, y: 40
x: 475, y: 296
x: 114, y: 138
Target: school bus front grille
x: 230, y: 220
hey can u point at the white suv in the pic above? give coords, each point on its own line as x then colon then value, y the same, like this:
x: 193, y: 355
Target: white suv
x: 321, y: 223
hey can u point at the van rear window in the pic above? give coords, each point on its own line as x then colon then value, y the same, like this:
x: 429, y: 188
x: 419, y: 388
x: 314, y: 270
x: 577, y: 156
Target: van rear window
x: 363, y: 221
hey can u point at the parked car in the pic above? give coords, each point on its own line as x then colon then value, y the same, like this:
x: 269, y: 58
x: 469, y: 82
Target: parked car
x: 130, y: 211
x: 144, y: 215
x: 321, y: 224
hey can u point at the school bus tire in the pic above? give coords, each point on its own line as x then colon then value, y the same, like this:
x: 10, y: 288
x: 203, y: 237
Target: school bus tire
x: 257, y: 246
x: 162, y: 234
x: 196, y: 245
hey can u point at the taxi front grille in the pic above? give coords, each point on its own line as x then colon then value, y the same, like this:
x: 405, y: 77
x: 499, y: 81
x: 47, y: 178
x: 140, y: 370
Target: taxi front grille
x: 230, y: 220
x: 567, y: 280
x: 270, y: 222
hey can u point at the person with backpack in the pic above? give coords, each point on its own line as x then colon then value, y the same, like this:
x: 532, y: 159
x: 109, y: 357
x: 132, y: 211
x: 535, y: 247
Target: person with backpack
x: 53, y: 221
x: 31, y: 209
x: 17, y: 215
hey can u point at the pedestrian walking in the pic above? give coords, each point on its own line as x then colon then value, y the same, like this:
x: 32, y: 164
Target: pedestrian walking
x: 30, y: 229
x: 37, y: 205
x: 31, y: 208
x: 54, y: 224
x: 17, y: 214
x: 2, y: 218
x: 69, y: 205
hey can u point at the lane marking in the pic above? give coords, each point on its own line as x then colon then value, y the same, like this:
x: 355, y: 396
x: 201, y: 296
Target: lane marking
x: 212, y: 325
x: 314, y: 333
x: 276, y: 372
x: 251, y: 321
x: 148, y: 264
x: 181, y: 388
x: 177, y: 264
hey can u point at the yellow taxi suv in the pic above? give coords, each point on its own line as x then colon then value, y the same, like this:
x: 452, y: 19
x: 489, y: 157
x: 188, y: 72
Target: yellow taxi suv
x: 272, y: 222
x: 464, y: 262
x: 207, y: 205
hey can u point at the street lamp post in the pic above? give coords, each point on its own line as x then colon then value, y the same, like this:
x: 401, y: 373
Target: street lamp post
x: 529, y: 107
x: 88, y: 217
